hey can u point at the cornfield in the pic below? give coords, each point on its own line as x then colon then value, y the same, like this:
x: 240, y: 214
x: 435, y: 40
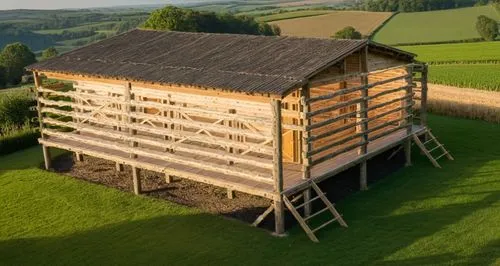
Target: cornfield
x: 484, y: 77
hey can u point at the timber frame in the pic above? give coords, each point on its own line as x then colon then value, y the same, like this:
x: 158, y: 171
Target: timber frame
x: 262, y: 144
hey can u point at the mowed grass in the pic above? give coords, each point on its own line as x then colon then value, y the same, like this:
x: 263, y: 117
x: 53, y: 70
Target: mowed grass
x: 480, y: 76
x: 456, y: 52
x: 290, y: 15
x: 417, y: 216
x: 324, y: 26
x: 434, y: 26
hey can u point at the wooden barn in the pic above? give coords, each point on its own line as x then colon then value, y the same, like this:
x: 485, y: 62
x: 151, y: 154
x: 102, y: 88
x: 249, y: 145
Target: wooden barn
x: 268, y: 116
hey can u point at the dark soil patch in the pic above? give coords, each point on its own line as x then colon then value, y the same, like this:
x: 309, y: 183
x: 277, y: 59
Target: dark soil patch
x: 213, y: 199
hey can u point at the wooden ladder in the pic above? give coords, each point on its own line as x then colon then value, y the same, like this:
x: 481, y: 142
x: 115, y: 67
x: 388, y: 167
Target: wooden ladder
x: 432, y: 148
x: 303, y: 221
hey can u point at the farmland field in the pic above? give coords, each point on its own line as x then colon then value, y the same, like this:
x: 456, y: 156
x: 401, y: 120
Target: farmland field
x: 434, y: 26
x: 293, y: 14
x: 480, y: 76
x: 456, y: 52
x: 324, y: 26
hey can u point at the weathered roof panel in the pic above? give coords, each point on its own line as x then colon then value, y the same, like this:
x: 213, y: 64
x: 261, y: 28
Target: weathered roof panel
x: 244, y: 63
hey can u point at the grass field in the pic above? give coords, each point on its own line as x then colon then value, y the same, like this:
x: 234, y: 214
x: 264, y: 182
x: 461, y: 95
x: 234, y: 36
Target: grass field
x: 456, y: 52
x: 434, y: 26
x: 77, y: 28
x: 324, y: 26
x: 483, y: 76
x: 416, y: 216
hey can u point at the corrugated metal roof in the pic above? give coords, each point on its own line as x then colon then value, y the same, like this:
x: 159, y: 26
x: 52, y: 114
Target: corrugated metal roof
x: 244, y: 63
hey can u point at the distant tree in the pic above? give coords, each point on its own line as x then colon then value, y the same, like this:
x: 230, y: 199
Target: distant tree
x: 347, y: 33
x: 181, y: 19
x: 49, y: 53
x: 14, y: 58
x: 172, y: 18
x: 487, y: 28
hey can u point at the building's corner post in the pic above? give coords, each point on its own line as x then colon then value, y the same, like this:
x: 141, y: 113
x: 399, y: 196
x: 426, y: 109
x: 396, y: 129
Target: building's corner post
x: 363, y: 121
x: 424, y: 93
x: 305, y: 94
x: 39, y: 95
x: 409, y: 114
x: 279, y: 209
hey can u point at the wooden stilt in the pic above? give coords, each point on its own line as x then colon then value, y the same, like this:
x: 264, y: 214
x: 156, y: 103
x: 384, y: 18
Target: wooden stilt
x: 137, y: 180
x: 230, y: 193
x: 169, y: 179
x: 119, y: 167
x: 46, y: 157
x: 407, y: 148
x: 279, y: 210
x: 363, y: 177
x: 79, y: 157
x: 279, y: 217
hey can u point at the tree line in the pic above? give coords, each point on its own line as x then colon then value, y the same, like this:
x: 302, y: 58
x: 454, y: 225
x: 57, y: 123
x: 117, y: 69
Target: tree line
x: 181, y: 19
x: 416, y: 5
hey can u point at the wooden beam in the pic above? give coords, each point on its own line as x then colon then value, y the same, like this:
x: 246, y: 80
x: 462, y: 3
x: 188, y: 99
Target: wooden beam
x: 79, y: 157
x: 136, y: 179
x: 305, y: 94
x: 423, y: 97
x: 119, y: 167
x: 230, y: 193
x: 46, y: 157
x: 279, y: 210
x: 409, y: 116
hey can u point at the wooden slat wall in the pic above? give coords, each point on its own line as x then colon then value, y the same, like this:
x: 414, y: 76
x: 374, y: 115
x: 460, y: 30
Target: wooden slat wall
x: 383, y: 117
x: 230, y: 136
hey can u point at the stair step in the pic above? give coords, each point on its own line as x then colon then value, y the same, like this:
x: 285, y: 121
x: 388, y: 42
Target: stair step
x: 311, y: 200
x: 438, y: 146
x: 325, y: 224
x: 444, y: 154
x: 315, y: 214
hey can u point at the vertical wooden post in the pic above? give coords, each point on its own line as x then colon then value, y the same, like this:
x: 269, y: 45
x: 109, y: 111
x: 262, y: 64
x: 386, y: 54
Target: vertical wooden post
x: 423, y: 101
x: 168, y: 178
x: 279, y: 209
x: 119, y: 167
x: 305, y: 94
x: 409, y: 114
x: 79, y: 157
x: 46, y: 157
x: 363, y: 118
x: 136, y: 178
x: 230, y: 193
x: 130, y: 120
x: 46, y: 152
x: 230, y: 123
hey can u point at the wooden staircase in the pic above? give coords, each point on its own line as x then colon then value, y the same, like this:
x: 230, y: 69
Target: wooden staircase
x: 303, y: 221
x: 432, y: 148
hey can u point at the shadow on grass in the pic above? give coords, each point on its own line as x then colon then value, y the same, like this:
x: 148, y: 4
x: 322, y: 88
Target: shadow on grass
x: 206, y: 239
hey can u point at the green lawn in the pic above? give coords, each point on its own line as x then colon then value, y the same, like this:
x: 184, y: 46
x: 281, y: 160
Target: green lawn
x: 480, y: 76
x: 456, y: 52
x: 434, y: 26
x: 416, y: 216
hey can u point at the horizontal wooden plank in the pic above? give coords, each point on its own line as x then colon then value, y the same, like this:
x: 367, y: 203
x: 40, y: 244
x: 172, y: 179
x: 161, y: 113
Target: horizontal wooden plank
x: 222, y: 168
